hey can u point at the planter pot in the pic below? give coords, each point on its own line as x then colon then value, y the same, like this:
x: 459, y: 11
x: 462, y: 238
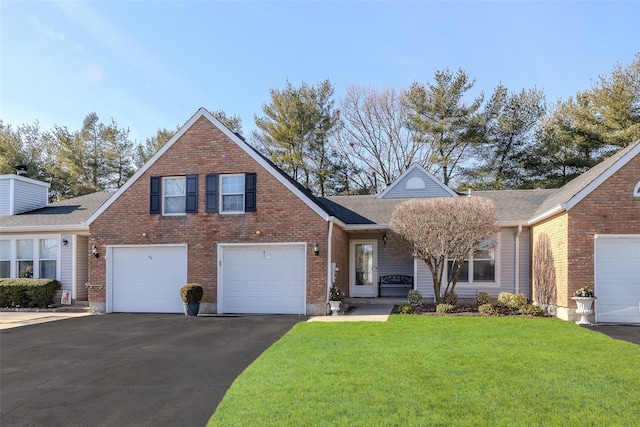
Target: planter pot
x: 191, y: 309
x: 584, y: 309
x: 335, y: 307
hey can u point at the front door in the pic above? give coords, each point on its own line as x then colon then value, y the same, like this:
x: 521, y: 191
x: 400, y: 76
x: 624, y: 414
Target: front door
x: 363, y: 271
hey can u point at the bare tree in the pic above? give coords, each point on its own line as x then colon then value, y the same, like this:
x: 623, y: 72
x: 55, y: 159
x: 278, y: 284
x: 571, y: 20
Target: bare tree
x: 445, y: 229
x: 374, y: 137
x: 544, y: 274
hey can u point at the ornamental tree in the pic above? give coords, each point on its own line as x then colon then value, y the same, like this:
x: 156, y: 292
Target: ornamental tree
x: 437, y: 230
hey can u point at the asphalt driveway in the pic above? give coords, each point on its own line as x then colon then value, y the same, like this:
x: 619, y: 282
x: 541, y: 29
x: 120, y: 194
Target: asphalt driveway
x: 127, y: 369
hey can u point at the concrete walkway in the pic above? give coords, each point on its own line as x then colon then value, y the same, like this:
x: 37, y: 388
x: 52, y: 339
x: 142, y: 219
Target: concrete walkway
x: 14, y: 319
x: 362, y: 313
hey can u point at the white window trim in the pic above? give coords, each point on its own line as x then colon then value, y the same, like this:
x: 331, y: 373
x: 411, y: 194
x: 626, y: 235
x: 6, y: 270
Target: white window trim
x: 13, y: 253
x: 636, y: 190
x: 164, y: 187
x: 494, y: 283
x: 221, y: 204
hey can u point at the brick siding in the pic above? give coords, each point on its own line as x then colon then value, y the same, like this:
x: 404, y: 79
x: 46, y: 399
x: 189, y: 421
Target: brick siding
x: 203, y: 149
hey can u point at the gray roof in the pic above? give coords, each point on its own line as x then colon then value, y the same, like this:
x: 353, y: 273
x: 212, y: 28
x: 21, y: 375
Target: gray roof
x: 70, y: 212
x: 511, y: 206
x: 573, y: 187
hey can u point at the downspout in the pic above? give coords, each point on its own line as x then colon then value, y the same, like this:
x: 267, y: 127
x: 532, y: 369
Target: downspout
x: 329, y: 272
x: 518, y: 259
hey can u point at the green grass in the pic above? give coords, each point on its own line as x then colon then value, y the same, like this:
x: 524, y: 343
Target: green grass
x: 438, y: 370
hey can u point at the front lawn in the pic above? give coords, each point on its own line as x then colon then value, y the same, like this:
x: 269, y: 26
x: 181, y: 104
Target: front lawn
x: 438, y: 370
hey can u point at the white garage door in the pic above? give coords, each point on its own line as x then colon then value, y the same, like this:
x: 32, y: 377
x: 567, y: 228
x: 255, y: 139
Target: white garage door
x: 262, y: 279
x: 617, y: 279
x: 147, y: 279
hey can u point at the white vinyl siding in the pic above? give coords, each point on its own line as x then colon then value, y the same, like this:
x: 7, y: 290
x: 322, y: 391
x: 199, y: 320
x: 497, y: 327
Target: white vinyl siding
x: 19, y: 194
x: 81, y: 267
x: 415, y: 189
x: 66, y: 264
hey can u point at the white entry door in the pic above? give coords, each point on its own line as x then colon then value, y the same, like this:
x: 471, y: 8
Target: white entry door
x: 363, y: 269
x: 617, y: 278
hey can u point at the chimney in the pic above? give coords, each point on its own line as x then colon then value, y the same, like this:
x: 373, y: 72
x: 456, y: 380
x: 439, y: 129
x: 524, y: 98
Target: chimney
x: 21, y: 170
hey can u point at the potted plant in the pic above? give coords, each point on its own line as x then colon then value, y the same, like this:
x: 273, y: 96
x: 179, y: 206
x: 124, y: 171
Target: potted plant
x: 335, y: 298
x: 191, y: 294
x: 584, y: 299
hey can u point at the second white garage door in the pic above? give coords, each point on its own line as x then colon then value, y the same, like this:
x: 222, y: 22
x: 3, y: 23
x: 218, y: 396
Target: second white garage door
x: 262, y: 279
x: 147, y: 279
x: 617, y: 279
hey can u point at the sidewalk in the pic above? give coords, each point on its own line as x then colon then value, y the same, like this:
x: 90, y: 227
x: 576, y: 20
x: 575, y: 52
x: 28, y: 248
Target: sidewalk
x: 14, y: 319
x: 362, y: 313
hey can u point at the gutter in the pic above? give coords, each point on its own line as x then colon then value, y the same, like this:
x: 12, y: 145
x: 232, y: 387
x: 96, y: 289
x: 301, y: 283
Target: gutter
x: 329, y: 270
x: 517, y: 290
x: 547, y: 214
x: 41, y: 228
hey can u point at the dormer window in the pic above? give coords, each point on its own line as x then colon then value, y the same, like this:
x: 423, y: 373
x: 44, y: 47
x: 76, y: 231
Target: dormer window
x: 415, y: 183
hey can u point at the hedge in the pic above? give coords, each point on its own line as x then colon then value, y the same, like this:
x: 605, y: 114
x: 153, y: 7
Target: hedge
x: 27, y: 292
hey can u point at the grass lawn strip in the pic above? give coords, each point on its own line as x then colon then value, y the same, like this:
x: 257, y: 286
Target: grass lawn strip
x: 438, y: 370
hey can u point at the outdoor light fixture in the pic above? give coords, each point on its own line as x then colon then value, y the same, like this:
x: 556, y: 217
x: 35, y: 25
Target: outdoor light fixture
x: 94, y: 251
x: 65, y: 242
x: 316, y: 249
x: 384, y: 238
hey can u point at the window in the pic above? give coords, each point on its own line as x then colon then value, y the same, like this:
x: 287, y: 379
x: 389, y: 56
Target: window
x: 480, y: 267
x: 24, y: 259
x: 232, y: 193
x: 5, y: 258
x: 48, y: 258
x: 636, y: 191
x: 174, y: 195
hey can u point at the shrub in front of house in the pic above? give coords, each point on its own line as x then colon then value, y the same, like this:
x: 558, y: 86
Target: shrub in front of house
x: 483, y: 298
x: 407, y: 309
x: 451, y: 298
x: 191, y: 293
x: 28, y: 293
x: 445, y: 308
x: 414, y: 297
x: 532, y: 310
x: 487, y: 309
x: 511, y: 301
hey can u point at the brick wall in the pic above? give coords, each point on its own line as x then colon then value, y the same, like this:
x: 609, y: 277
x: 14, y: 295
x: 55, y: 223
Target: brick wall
x: 609, y: 209
x: 549, y: 241
x: 281, y: 216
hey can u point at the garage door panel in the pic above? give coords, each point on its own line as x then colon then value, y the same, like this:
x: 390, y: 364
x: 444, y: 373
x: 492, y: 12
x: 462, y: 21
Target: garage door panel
x: 617, y: 279
x: 147, y: 279
x: 264, y: 279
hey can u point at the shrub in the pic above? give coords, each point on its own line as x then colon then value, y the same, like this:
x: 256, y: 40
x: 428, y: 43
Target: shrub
x: 445, y: 308
x: 407, y: 309
x: 191, y: 293
x: 487, y: 309
x: 511, y: 301
x: 23, y: 292
x: 414, y: 297
x: 532, y: 310
x: 483, y: 298
x: 335, y: 294
x: 451, y: 298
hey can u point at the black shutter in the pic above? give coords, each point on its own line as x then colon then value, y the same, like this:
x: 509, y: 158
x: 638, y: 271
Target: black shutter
x: 155, y: 195
x: 212, y: 192
x: 250, y: 192
x: 192, y: 194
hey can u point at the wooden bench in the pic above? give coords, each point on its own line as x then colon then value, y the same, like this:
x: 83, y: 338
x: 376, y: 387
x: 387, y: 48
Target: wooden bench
x: 395, y: 285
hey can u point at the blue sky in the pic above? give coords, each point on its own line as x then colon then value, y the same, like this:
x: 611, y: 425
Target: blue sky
x: 152, y: 64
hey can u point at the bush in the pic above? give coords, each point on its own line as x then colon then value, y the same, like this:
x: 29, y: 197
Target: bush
x: 191, y: 293
x: 27, y: 292
x: 445, y: 308
x: 407, y: 309
x: 532, y: 310
x: 511, y: 301
x: 483, y: 298
x: 451, y: 298
x: 414, y: 297
x: 487, y: 309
